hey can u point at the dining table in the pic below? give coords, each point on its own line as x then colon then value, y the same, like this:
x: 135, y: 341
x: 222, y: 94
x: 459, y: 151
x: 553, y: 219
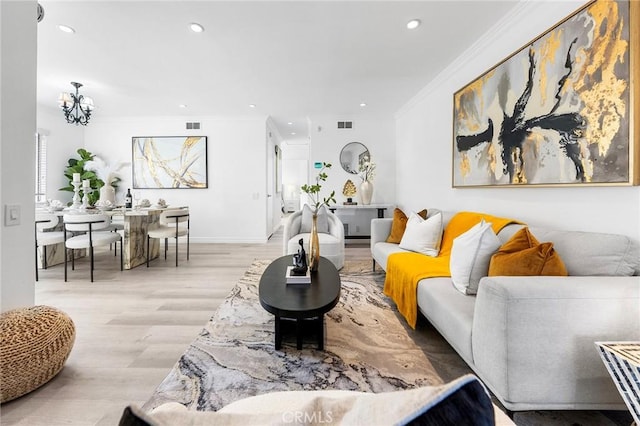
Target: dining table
x: 136, y: 222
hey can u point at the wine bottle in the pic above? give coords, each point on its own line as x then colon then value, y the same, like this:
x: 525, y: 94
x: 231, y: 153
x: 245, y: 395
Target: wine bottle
x: 127, y: 199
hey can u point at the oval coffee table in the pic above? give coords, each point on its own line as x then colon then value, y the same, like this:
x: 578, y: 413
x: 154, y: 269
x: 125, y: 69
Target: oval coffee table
x: 299, y: 302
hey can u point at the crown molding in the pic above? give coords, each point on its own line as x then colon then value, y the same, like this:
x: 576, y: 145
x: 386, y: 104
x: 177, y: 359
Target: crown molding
x: 520, y: 13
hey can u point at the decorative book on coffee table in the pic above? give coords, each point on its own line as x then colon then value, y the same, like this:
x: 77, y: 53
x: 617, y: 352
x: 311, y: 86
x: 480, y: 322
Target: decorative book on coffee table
x: 297, y: 279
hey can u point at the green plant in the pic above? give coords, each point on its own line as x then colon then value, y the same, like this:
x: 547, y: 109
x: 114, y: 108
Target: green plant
x: 78, y: 166
x: 313, y: 191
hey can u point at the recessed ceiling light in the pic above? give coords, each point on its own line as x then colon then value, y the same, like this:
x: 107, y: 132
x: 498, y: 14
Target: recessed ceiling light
x: 290, y: 123
x: 293, y: 133
x: 196, y: 28
x: 66, y: 29
x: 413, y: 24
x: 252, y: 105
x: 182, y: 106
x: 363, y: 104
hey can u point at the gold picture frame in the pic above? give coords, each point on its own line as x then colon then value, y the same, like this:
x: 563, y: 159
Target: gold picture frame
x: 561, y: 111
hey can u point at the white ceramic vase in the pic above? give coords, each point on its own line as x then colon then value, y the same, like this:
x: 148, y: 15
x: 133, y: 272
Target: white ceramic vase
x: 366, y: 192
x: 108, y: 193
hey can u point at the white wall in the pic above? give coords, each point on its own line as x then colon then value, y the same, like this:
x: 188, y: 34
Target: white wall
x: 377, y: 134
x: 424, y: 145
x: 233, y: 207
x: 63, y: 142
x: 17, y: 150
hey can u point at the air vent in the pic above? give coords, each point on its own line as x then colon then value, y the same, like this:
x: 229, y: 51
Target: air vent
x: 193, y: 126
x: 345, y: 124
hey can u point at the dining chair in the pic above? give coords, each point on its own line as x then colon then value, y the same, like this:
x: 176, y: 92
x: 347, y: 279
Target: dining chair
x: 94, y: 233
x: 117, y: 225
x: 44, y: 224
x: 173, y: 223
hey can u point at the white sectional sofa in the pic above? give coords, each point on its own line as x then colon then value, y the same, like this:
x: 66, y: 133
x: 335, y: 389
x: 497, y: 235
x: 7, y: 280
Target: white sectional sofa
x: 530, y: 339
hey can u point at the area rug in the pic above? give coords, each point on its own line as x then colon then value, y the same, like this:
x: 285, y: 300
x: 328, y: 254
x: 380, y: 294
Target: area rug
x: 366, y: 349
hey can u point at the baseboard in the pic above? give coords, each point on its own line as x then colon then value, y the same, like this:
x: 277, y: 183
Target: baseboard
x: 207, y: 240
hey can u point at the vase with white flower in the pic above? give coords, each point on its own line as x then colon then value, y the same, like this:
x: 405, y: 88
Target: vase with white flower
x: 107, y: 174
x: 366, y: 171
x: 317, y: 201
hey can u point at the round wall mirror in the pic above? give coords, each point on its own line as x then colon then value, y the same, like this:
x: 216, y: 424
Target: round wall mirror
x: 352, y: 156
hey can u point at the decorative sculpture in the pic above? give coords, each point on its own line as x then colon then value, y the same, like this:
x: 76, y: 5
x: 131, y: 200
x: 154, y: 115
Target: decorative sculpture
x: 349, y: 190
x: 300, y: 261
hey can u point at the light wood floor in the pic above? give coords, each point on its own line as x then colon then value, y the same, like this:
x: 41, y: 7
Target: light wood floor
x: 132, y: 326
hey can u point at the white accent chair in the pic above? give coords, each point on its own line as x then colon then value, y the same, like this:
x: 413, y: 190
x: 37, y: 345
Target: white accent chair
x: 94, y: 233
x: 331, y: 244
x: 44, y: 237
x: 173, y: 224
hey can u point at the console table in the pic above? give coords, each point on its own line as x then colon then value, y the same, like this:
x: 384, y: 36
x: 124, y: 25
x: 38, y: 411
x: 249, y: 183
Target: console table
x: 356, y: 216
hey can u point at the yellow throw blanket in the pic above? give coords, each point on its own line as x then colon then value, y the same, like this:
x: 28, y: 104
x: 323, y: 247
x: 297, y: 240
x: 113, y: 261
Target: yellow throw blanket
x: 405, y: 270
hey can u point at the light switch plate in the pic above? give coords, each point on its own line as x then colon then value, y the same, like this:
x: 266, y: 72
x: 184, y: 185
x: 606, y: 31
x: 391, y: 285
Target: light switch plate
x: 11, y: 214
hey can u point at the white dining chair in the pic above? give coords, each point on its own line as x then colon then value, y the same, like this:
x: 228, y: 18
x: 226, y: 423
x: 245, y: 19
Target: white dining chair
x: 117, y: 225
x: 45, y: 236
x: 94, y: 233
x: 173, y: 223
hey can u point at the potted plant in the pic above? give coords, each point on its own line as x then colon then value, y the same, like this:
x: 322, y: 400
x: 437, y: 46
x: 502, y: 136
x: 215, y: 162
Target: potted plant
x: 313, y: 191
x: 86, y: 167
x: 366, y: 171
x: 75, y: 165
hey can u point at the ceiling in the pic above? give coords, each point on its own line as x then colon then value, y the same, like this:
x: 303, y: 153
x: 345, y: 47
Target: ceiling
x: 293, y: 60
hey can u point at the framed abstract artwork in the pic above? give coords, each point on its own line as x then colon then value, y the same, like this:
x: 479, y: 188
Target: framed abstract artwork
x: 563, y: 110
x: 169, y: 162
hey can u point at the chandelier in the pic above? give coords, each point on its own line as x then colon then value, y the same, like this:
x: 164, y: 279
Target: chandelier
x: 76, y: 107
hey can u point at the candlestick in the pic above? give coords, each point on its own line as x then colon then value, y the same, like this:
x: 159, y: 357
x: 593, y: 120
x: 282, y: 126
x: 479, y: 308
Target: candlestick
x: 85, y: 197
x: 76, y: 195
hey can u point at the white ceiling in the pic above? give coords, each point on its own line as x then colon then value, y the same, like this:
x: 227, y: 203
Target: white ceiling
x: 292, y: 59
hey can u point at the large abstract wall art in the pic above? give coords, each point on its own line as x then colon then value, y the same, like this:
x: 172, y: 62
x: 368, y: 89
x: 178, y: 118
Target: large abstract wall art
x: 170, y: 162
x: 560, y: 111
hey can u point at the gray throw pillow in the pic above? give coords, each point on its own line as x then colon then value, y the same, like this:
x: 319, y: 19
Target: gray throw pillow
x: 307, y: 218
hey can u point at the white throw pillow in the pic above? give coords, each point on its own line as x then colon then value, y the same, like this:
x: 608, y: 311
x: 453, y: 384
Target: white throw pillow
x: 421, y: 405
x: 423, y: 236
x: 470, y: 256
x: 307, y: 218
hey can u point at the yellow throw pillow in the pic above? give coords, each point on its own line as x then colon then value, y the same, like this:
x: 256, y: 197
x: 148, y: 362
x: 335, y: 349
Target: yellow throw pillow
x: 524, y: 255
x: 400, y: 224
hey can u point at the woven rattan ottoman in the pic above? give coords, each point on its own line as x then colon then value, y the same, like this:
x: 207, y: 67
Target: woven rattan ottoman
x: 34, y: 345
